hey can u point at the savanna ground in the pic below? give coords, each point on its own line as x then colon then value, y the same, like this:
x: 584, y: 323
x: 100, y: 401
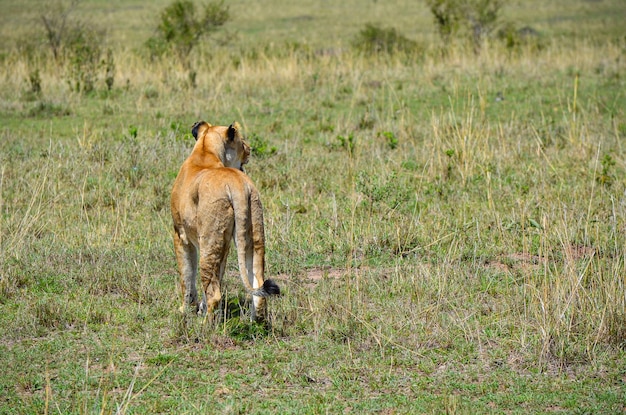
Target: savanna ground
x: 447, y: 224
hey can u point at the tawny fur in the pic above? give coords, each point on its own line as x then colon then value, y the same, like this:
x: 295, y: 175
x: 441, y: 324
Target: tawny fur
x: 212, y: 202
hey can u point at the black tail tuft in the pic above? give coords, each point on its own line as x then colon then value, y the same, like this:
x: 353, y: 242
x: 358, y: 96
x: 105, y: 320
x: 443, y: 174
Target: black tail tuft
x: 271, y: 288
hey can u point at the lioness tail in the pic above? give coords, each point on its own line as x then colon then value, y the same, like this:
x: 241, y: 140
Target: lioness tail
x: 269, y: 288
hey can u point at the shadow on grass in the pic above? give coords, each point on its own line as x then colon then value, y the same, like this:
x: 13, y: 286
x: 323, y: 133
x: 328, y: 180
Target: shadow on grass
x: 231, y: 320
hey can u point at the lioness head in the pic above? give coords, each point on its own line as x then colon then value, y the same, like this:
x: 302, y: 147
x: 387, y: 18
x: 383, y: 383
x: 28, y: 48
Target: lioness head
x: 226, y: 143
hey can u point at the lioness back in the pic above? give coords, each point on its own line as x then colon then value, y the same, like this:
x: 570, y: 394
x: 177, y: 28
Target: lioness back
x: 212, y: 202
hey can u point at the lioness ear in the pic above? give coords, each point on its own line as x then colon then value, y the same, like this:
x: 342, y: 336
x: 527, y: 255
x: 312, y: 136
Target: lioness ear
x: 196, y: 127
x: 233, y: 129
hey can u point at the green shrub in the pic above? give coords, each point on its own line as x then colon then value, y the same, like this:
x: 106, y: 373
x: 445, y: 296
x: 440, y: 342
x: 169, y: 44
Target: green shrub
x: 375, y: 40
x: 46, y: 109
x: 78, y: 46
x: 34, y: 82
x: 470, y: 19
x: 180, y: 29
x: 606, y: 176
x: 483, y: 16
x: 83, y: 52
x: 514, y: 38
x: 347, y: 142
x: 390, y: 138
x: 109, y: 69
x: 447, y: 15
x: 260, y: 147
x: 57, y: 23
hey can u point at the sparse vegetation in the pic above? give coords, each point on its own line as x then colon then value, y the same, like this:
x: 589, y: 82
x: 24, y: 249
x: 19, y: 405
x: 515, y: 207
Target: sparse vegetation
x: 182, y: 27
x: 472, y: 19
x: 78, y: 46
x: 447, y: 229
x: 373, y: 39
x: 259, y: 146
x: 58, y: 24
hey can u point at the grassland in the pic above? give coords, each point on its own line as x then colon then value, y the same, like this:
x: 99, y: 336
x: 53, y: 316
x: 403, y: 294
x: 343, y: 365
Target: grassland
x: 448, y: 227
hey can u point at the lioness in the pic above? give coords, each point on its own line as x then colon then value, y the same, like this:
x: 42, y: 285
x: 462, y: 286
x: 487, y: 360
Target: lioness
x: 212, y: 200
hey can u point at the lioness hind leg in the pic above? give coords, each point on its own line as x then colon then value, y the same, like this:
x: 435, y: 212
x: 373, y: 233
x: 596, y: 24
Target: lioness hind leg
x: 187, y: 258
x: 214, y: 249
x: 258, y: 307
x: 256, y: 272
x: 212, y: 269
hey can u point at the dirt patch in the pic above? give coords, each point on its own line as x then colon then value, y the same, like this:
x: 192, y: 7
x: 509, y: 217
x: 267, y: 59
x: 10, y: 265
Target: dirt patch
x: 525, y: 262
x: 577, y: 252
x: 317, y: 274
x: 314, y: 275
x: 518, y: 261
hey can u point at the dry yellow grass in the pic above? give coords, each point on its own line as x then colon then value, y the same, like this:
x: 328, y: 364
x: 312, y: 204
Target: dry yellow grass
x: 448, y: 227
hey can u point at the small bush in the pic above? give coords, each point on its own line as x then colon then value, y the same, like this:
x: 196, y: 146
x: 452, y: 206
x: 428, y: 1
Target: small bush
x: 78, y: 46
x: 483, y: 16
x: 180, y: 30
x: 375, y: 40
x: 347, y: 142
x: 83, y: 54
x: 109, y: 69
x: 56, y: 24
x: 471, y: 19
x: 390, y: 138
x: 34, y: 84
x: 447, y: 15
x: 514, y: 38
x: 606, y: 176
x: 260, y: 147
x: 47, y: 109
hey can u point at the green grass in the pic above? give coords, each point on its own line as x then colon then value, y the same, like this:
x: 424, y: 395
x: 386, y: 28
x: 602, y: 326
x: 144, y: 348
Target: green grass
x: 447, y: 228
